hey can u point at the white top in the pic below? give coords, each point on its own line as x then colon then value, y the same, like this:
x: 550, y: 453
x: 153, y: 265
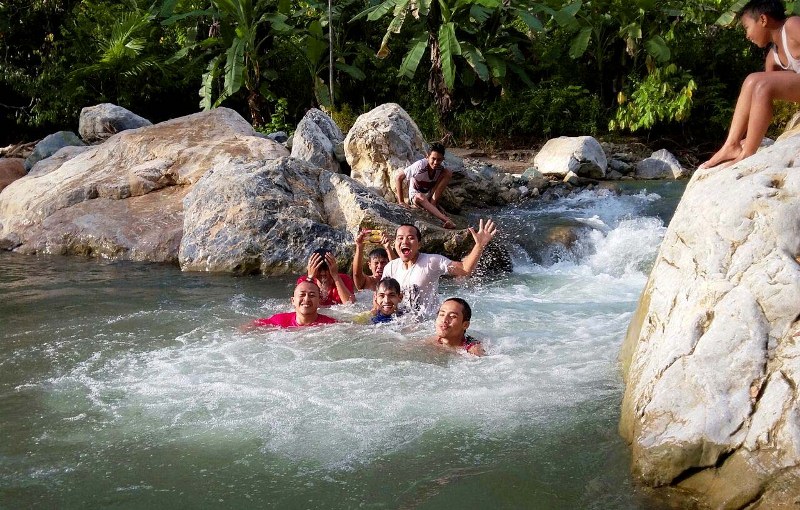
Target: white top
x: 792, y: 63
x: 418, y: 178
x: 420, y: 282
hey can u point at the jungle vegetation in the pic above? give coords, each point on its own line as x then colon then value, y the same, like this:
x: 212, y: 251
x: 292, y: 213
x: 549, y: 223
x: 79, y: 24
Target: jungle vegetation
x: 486, y: 71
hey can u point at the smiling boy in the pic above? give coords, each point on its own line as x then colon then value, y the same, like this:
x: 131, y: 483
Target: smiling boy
x: 427, y: 179
x: 452, y: 322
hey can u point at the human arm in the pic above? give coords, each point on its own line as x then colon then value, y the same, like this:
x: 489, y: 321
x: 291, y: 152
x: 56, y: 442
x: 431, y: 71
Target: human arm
x: 476, y: 349
x: 388, y: 245
x: 358, y: 260
x: 345, y: 294
x: 399, y: 177
x: 482, y: 237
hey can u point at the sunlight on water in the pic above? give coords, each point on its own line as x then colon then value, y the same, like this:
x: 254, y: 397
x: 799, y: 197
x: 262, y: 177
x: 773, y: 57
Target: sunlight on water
x: 147, y: 367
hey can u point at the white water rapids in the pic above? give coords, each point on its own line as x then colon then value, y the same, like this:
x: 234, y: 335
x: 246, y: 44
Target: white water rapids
x: 129, y: 385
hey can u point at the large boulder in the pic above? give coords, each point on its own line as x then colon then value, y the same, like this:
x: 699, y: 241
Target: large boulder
x: 123, y: 199
x: 11, y: 169
x: 50, y: 145
x: 711, y: 359
x: 100, y: 122
x: 380, y: 142
x: 266, y: 217
x: 315, y: 139
x: 582, y: 155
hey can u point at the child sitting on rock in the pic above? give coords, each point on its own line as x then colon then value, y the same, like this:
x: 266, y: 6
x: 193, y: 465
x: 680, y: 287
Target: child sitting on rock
x: 427, y: 179
x: 765, y: 24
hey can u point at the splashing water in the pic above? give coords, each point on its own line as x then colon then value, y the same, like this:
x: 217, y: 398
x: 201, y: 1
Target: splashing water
x: 131, y: 385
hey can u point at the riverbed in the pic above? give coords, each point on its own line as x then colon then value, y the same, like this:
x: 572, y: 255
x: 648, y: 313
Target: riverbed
x: 131, y: 386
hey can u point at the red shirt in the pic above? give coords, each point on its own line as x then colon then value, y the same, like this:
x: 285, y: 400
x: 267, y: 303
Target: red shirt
x: 289, y: 320
x: 333, y: 296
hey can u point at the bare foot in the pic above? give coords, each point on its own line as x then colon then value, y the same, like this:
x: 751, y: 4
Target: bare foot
x: 726, y: 153
x: 742, y: 155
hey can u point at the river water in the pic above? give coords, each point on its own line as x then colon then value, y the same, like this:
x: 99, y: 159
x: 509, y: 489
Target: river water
x: 129, y: 385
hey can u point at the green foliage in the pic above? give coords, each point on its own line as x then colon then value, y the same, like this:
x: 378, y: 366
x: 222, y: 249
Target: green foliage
x: 551, y: 109
x: 344, y: 117
x: 278, y: 121
x: 664, y: 95
x: 470, y: 39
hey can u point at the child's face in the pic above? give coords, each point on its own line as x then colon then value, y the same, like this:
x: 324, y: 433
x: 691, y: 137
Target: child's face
x: 376, y: 265
x: 755, y: 29
x: 387, y: 300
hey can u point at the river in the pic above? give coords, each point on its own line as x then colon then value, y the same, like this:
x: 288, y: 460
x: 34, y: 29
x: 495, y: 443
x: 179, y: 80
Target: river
x: 128, y: 385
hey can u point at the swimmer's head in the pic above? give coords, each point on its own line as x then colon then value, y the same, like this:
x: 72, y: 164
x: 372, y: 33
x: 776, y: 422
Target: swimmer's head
x: 453, y: 319
x: 388, y: 296
x: 306, y: 297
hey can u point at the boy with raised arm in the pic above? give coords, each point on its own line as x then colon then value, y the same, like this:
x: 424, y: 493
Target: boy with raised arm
x: 418, y: 273
x: 335, y: 288
x: 427, y: 179
x: 377, y: 260
x: 765, y: 24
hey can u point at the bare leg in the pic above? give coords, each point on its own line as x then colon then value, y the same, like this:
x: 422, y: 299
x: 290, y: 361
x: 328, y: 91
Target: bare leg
x: 421, y: 200
x: 771, y: 86
x: 758, y: 93
x: 732, y: 146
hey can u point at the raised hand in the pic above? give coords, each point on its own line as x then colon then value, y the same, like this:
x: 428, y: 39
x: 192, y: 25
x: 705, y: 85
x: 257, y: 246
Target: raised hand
x: 314, y: 263
x: 485, y: 233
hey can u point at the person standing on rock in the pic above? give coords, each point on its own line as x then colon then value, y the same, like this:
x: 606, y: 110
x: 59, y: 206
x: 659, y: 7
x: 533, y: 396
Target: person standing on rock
x: 427, y: 179
x: 765, y: 24
x: 418, y: 273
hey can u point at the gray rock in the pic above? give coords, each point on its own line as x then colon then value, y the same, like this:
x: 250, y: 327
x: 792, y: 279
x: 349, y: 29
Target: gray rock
x: 711, y: 359
x: 310, y: 143
x: 278, y: 136
x: 55, y: 161
x: 620, y: 166
x: 50, y: 145
x: 100, y: 122
x: 122, y: 199
x: 582, y: 155
x: 660, y: 165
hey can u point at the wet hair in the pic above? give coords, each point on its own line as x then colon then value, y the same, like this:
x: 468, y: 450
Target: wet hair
x: 388, y: 283
x: 419, y: 234
x: 322, y: 252
x: 437, y: 147
x: 466, y: 311
x: 378, y: 252
x: 772, y: 8
x: 306, y: 280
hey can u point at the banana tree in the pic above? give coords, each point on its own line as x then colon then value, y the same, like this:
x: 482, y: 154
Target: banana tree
x: 467, y: 36
x: 239, y: 35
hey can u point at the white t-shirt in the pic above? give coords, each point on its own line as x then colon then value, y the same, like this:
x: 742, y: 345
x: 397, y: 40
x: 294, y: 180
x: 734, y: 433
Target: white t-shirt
x: 420, y: 282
